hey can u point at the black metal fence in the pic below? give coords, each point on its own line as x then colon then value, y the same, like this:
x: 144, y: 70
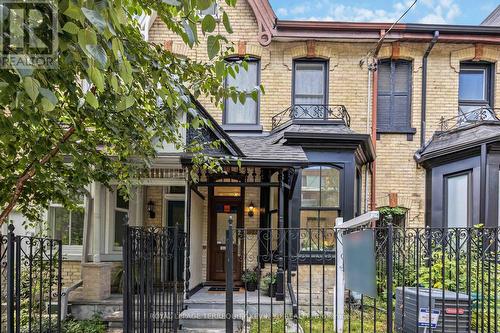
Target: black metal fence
x: 425, y: 280
x: 30, y: 283
x: 154, y: 278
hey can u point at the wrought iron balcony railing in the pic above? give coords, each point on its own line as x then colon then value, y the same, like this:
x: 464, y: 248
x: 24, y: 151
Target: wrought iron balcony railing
x: 312, y: 112
x: 470, y: 117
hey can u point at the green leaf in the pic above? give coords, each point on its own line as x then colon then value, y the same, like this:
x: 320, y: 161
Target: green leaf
x: 125, y: 103
x: 95, y: 18
x: 31, y: 86
x: 49, y: 95
x: 114, y: 84
x: 227, y: 24
x: 98, y: 53
x: 208, y: 24
x: 244, y: 64
x: 172, y: 2
x: 213, y: 46
x: 255, y: 95
x: 242, y: 97
x: 219, y: 69
x: 204, y: 4
x: 96, y: 77
x: 189, y: 32
x: 74, y: 12
x: 91, y: 99
x: 47, y: 105
x: 71, y: 28
x: 117, y: 47
x: 86, y: 37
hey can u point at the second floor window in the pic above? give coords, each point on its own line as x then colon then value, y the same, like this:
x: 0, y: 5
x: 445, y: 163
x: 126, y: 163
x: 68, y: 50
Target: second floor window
x: 394, y: 96
x: 474, y: 88
x: 309, y: 82
x: 243, y: 114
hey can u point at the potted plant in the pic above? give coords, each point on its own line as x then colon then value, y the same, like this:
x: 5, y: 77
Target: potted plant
x: 249, y: 278
x: 268, y: 284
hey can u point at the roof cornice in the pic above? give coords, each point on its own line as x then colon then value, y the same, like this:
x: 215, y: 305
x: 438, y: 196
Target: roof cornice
x: 266, y: 19
x: 271, y: 27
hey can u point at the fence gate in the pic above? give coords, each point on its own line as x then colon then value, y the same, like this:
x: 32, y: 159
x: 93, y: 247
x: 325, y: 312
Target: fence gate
x: 30, y: 283
x: 154, y: 278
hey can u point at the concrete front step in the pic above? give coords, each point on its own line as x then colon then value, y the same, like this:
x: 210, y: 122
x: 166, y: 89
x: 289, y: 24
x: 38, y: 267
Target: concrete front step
x: 209, y: 319
x: 253, y: 310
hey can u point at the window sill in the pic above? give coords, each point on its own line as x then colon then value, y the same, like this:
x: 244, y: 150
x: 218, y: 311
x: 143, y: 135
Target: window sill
x: 242, y: 128
x: 410, y: 132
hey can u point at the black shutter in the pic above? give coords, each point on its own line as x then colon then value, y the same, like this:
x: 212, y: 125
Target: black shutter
x: 394, y: 105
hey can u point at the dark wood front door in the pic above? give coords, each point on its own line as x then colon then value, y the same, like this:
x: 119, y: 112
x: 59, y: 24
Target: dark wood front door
x: 221, y: 209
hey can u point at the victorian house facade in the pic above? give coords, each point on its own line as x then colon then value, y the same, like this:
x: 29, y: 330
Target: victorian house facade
x: 355, y: 116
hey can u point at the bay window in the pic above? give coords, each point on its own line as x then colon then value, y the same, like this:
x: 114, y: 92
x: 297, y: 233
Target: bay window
x: 320, y: 206
x: 458, y: 200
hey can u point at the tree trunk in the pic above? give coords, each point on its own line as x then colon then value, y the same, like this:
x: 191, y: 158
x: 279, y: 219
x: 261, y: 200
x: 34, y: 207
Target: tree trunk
x: 28, y: 173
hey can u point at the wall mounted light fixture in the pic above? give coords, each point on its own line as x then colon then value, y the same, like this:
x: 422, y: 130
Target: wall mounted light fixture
x: 151, y: 209
x: 251, y: 209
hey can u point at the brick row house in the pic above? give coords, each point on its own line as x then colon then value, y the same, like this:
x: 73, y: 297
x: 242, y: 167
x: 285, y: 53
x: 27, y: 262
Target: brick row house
x: 356, y: 116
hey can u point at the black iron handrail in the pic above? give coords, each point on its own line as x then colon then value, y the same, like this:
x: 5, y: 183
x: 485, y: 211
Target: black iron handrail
x: 480, y: 114
x: 312, y: 112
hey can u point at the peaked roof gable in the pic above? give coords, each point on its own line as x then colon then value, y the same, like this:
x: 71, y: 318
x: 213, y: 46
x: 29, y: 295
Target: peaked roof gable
x: 493, y: 19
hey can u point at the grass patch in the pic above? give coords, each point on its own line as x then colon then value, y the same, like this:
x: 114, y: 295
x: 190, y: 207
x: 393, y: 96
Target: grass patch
x: 320, y: 324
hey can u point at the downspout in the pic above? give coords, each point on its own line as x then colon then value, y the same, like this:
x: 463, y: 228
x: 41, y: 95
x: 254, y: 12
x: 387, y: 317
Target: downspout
x: 368, y: 113
x: 373, y: 202
x: 423, y: 115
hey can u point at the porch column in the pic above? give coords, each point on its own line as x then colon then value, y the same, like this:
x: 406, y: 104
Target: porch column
x: 188, y: 236
x: 280, y: 275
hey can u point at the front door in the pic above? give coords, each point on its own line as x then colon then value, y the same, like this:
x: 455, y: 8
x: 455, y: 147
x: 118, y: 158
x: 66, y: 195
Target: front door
x: 221, y: 209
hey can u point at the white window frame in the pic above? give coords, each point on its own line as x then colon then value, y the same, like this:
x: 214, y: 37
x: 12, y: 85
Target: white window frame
x: 71, y: 250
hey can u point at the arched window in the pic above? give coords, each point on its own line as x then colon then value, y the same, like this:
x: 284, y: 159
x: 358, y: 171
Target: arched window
x: 320, y: 206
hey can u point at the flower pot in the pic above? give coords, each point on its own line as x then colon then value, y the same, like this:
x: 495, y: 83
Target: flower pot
x: 251, y: 286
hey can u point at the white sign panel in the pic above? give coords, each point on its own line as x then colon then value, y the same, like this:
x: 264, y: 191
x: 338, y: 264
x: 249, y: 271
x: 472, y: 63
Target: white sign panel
x: 425, y: 321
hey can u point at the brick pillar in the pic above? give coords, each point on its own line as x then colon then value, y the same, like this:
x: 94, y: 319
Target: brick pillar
x: 96, y: 280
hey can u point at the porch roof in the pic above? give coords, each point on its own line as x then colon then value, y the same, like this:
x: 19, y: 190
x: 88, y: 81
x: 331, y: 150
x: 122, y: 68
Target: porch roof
x: 287, y: 143
x: 459, y: 139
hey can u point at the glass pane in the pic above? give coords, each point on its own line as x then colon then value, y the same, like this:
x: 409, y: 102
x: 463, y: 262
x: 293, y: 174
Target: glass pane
x: 458, y: 201
x: 310, y: 191
x: 471, y: 85
x: 77, y: 227
x: 176, y: 213
x: 177, y: 189
x: 227, y: 191
x: 330, y: 178
x: 327, y: 222
x: 121, y: 201
x: 309, y: 83
x: 237, y: 113
x: 121, y: 218
x: 309, y: 233
x: 224, y: 211
x: 61, y: 224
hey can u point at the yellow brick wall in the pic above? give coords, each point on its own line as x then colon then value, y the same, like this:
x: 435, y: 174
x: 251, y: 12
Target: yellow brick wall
x: 71, y: 272
x: 397, y: 172
x: 154, y: 194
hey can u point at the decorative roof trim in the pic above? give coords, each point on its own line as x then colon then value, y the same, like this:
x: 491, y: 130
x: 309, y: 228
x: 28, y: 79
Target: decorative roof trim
x: 266, y: 19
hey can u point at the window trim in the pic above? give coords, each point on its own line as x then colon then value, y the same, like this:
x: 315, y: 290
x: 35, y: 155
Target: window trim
x: 325, y: 63
x: 489, y: 82
x: 391, y: 129
x: 116, y: 192
x: 243, y: 126
x: 446, y: 178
